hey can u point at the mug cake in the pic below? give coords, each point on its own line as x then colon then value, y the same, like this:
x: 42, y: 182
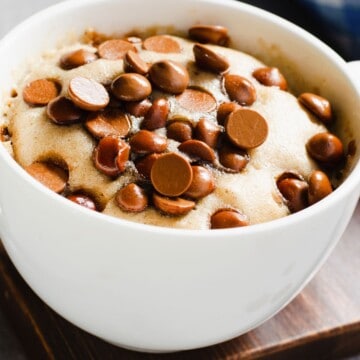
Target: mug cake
x: 174, y: 131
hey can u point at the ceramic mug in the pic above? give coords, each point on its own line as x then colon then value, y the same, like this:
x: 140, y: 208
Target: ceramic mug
x: 162, y: 289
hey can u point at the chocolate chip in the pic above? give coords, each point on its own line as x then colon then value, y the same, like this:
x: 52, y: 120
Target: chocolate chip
x: 13, y: 93
x: 209, y: 60
x: 4, y: 134
x: 144, y: 142
x: 196, y: 100
x: 319, y: 186
x: 246, y: 128
x: 203, y: 183
x: 40, y: 92
x: 169, y: 76
x: 82, y: 200
x: 137, y: 108
x: 115, y: 49
x: 145, y: 163
x: 52, y: 176
x: 228, y: 218
x: 157, y: 115
x: 325, y: 148
x: 111, y: 121
x: 213, y: 34
x: 179, y: 130
x: 171, y: 174
x: 62, y: 111
x: 114, y: 102
x: 289, y: 175
x: 233, y: 158
x: 270, y: 76
x: 77, y: 58
x: 240, y: 89
x: 174, y: 206
x: 133, y: 39
x: 161, y: 44
x: 198, y: 149
x: 133, y: 63
x: 131, y: 87
x: 224, y: 110
x: 111, y: 155
x: 207, y: 131
x: 295, y: 193
x: 351, y: 148
x: 132, y: 198
x: 88, y: 94
x: 317, y: 105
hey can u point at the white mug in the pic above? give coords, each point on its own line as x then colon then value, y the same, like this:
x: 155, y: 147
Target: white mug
x: 162, y: 289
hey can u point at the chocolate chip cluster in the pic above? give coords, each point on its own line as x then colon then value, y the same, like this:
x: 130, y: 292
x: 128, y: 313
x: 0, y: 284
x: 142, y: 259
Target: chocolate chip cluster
x: 172, y: 182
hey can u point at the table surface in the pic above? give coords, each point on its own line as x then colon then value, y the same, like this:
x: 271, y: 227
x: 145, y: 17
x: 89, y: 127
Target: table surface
x: 322, y: 322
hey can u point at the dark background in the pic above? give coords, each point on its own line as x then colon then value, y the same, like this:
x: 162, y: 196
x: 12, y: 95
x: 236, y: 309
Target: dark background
x: 299, y: 13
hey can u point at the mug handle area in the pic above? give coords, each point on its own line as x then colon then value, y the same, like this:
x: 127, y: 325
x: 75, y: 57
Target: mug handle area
x: 354, y: 70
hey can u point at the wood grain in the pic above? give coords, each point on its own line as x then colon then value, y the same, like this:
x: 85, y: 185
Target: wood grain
x: 323, y: 322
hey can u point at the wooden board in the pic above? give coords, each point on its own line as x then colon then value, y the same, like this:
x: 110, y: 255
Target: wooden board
x: 322, y: 322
